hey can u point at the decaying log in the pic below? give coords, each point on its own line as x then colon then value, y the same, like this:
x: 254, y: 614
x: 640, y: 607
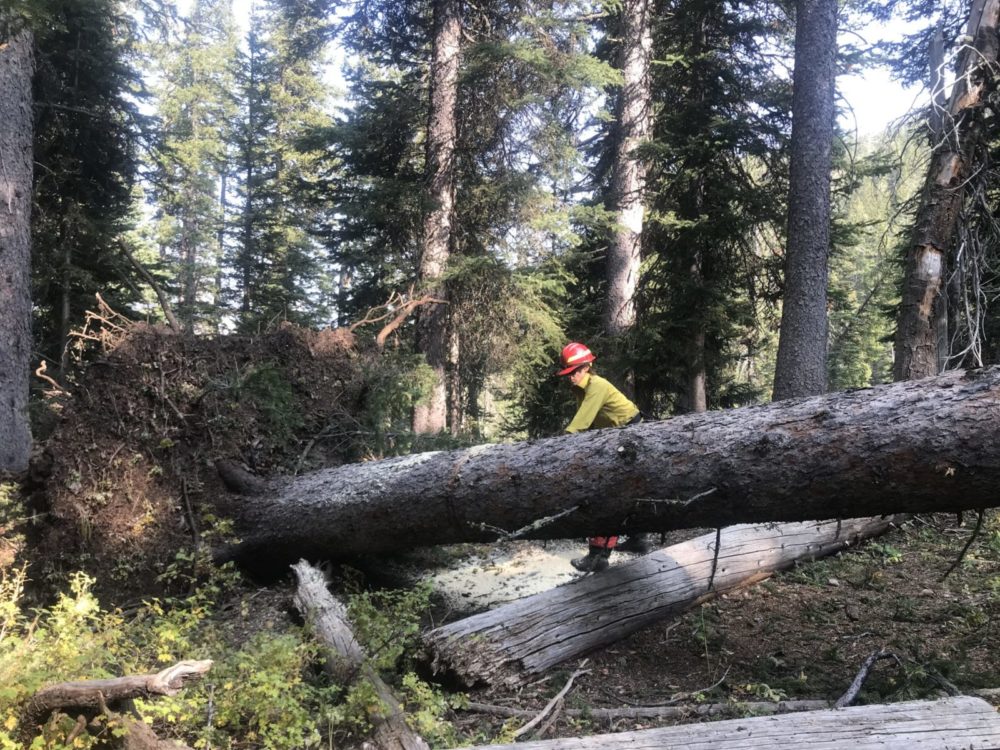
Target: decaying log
x: 531, y: 635
x: 945, y: 724
x: 95, y: 696
x: 684, y: 711
x: 92, y: 694
x: 921, y: 446
x: 345, y: 660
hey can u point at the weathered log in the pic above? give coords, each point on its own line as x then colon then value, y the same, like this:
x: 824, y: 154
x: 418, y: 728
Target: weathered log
x: 94, y: 694
x: 345, y: 659
x: 921, y: 446
x: 535, y: 633
x: 945, y: 724
x: 682, y: 711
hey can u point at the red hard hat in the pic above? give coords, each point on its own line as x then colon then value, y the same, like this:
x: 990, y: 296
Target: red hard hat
x: 573, y: 355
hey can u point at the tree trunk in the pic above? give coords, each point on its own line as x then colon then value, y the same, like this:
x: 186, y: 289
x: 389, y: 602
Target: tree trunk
x: 536, y: 633
x: 16, y: 132
x: 921, y: 310
x: 921, y: 446
x: 430, y: 416
x: 628, y: 178
x: 345, y: 660
x: 801, y: 364
x: 961, y: 722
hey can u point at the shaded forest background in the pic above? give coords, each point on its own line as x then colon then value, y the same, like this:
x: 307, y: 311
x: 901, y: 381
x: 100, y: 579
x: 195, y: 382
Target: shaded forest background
x: 261, y: 237
x: 218, y: 161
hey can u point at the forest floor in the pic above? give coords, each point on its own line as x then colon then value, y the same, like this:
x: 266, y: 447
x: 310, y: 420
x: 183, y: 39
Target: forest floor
x: 802, y: 634
x: 126, y: 479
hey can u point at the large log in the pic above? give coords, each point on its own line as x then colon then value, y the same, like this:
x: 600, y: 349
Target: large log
x: 921, y: 446
x: 946, y: 724
x: 345, y: 659
x: 531, y: 635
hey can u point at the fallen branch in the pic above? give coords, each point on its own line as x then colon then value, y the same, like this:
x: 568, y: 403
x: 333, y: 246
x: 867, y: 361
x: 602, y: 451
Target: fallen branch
x: 168, y: 312
x: 859, y: 680
x: 88, y: 694
x: 97, y: 695
x: 552, y: 703
x: 961, y: 555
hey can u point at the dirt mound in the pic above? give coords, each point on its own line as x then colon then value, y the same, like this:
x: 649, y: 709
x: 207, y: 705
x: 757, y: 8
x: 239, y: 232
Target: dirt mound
x: 130, y: 476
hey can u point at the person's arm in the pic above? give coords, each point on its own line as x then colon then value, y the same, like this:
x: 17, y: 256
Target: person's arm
x: 592, y: 402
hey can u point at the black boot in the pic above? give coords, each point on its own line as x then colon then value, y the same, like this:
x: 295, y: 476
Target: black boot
x: 596, y: 560
x: 641, y: 544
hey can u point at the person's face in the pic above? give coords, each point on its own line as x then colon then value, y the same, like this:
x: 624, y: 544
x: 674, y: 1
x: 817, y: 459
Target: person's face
x: 577, y: 375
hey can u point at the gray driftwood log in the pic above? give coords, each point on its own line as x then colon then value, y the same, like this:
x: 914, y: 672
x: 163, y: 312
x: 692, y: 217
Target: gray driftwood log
x: 345, y: 660
x: 531, y: 635
x: 946, y: 724
x: 93, y: 696
x: 920, y: 446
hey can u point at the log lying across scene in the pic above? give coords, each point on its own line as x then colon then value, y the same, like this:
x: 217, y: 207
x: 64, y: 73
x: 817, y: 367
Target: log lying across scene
x: 531, y: 635
x: 917, y: 446
x: 946, y: 724
x: 345, y: 660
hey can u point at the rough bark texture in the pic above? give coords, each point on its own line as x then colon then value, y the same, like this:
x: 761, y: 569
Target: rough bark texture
x: 923, y: 309
x: 946, y: 724
x: 432, y: 321
x: 90, y: 694
x: 801, y: 364
x: 537, y: 632
x: 16, y: 128
x: 921, y: 446
x: 345, y: 659
x: 628, y: 176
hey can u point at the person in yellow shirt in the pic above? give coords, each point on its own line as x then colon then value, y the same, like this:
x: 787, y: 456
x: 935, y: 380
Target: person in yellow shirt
x: 599, y: 405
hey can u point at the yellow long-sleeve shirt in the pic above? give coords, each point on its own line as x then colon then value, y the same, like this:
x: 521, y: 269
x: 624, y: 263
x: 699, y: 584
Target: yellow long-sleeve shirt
x: 600, y: 404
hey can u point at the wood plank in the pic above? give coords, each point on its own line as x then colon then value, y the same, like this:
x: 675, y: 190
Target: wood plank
x: 960, y: 723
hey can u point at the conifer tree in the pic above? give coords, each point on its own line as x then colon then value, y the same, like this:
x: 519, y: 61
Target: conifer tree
x: 801, y: 366
x: 16, y: 64
x: 715, y: 194
x: 195, y: 108
x: 276, y: 268
x: 86, y: 134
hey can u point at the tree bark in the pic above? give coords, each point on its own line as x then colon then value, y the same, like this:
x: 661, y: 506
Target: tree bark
x: 920, y: 446
x: 16, y: 141
x: 802, y: 344
x: 345, y: 659
x: 929, y: 725
x: 533, y: 634
x: 922, y: 310
x: 628, y: 178
x: 431, y: 415
x: 92, y: 694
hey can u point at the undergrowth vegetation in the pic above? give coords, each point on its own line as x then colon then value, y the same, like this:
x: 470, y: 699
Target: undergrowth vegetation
x: 264, y: 689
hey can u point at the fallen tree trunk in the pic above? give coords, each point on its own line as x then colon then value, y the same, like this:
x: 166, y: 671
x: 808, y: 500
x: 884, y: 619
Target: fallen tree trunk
x: 920, y: 446
x: 345, y: 660
x: 944, y: 724
x: 537, y: 632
